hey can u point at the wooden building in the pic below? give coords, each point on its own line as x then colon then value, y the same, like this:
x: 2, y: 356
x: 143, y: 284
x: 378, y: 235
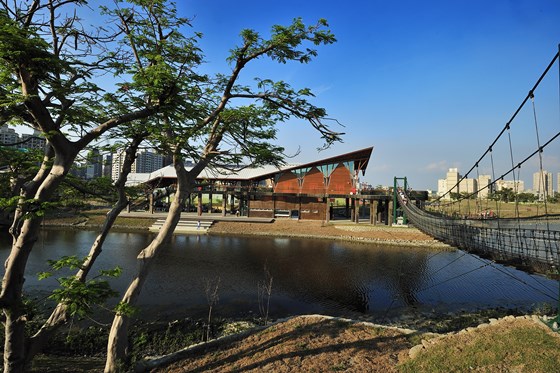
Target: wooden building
x: 305, y: 191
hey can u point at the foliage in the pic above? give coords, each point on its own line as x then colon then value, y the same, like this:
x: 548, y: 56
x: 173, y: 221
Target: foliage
x: 80, y: 296
x: 503, y: 195
x: 19, y: 166
x: 526, y: 197
x: 136, y: 73
x: 88, y: 341
x: 123, y: 308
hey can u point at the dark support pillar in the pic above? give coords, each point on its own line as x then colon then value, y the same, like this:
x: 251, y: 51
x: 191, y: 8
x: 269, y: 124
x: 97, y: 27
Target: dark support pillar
x: 390, y: 208
x: 248, y: 204
x: 352, y: 209
x: 346, y: 212
x: 199, y: 204
x: 356, y: 210
x: 151, y: 203
x: 373, y: 212
x: 224, y: 203
x: 327, y: 210
x: 210, y: 206
x: 232, y: 204
x: 299, y: 208
x: 273, y: 206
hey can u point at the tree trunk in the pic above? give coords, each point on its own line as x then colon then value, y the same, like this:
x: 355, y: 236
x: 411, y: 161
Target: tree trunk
x: 117, y: 344
x: 59, y: 316
x: 25, y: 233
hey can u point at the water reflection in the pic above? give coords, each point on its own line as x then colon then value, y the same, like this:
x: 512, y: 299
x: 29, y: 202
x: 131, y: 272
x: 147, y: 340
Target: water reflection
x: 308, y: 275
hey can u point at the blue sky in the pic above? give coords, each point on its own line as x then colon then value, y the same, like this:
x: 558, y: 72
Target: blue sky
x: 429, y: 84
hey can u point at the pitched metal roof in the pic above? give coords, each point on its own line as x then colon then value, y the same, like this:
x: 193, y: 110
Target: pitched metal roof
x: 359, y: 157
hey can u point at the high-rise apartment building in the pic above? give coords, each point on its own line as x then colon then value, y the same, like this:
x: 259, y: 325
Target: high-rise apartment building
x: 480, y: 187
x: 484, y: 186
x: 517, y: 186
x: 453, y: 178
x: 542, y: 184
x: 451, y: 185
x: 107, y: 165
x: 94, y: 165
x: 8, y: 136
x: 116, y: 166
x: 34, y: 141
x: 468, y: 186
x: 145, y: 162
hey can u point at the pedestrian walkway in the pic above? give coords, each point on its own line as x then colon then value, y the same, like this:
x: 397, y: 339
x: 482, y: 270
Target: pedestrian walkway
x: 193, y: 216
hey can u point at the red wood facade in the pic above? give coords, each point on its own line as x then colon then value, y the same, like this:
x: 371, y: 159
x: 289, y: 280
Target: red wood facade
x: 340, y: 181
x: 304, y: 191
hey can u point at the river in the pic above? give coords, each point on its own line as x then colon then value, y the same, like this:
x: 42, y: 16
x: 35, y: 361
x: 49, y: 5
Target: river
x: 308, y: 276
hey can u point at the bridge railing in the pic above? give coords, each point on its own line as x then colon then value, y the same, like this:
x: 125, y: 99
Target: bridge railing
x: 532, y: 243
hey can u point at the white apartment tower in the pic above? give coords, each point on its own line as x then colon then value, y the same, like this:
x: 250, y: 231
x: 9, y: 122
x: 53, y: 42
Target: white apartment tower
x: 116, y: 166
x: 542, y: 184
x: 517, y: 186
x: 484, y: 186
x: 453, y: 178
x: 468, y: 186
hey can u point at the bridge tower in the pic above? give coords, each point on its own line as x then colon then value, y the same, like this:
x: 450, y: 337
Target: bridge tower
x: 395, y: 200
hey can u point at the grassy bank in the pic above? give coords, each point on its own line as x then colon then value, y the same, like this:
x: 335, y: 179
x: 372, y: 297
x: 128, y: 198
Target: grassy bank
x: 94, y: 219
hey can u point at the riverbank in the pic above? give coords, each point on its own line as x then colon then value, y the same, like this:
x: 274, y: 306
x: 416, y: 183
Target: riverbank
x: 337, y: 230
x: 482, y: 341
x: 381, y: 234
x: 316, y: 343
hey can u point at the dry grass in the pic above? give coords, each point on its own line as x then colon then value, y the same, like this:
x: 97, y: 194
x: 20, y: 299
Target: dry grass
x: 502, y: 209
x: 303, y: 344
x: 519, y: 345
x: 320, y: 344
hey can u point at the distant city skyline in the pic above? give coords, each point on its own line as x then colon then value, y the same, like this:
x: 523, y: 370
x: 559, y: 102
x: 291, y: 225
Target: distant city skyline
x: 542, y: 184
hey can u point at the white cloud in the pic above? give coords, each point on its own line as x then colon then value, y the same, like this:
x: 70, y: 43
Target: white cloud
x: 437, y: 166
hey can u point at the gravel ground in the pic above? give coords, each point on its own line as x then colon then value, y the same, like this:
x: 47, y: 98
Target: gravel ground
x: 342, y: 231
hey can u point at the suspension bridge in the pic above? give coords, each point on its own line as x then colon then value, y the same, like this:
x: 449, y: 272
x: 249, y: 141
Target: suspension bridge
x: 528, y: 242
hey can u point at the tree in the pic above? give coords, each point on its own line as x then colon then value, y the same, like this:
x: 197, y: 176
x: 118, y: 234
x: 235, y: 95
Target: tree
x: 63, y: 311
x: 216, y: 129
x: 49, y: 67
x: 50, y: 80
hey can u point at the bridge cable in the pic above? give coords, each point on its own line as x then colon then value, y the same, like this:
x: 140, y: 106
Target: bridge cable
x: 516, y: 193
x: 543, y: 185
x: 490, y: 263
x: 507, y: 125
x: 448, y: 264
x: 474, y: 235
x: 509, y: 274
